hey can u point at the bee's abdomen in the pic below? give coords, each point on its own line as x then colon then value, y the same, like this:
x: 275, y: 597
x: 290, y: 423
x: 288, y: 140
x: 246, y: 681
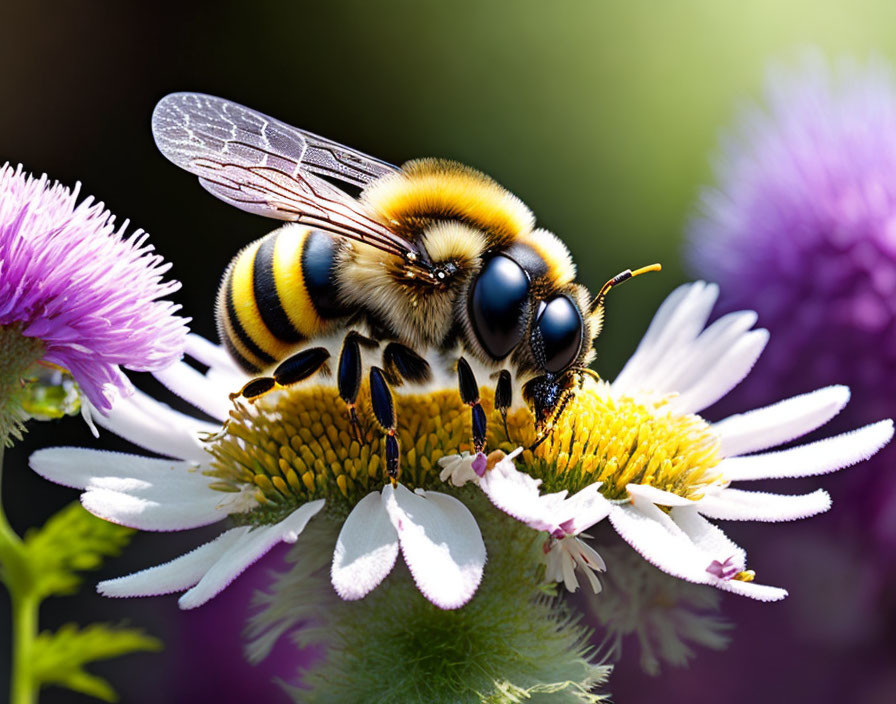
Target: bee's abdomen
x: 276, y: 293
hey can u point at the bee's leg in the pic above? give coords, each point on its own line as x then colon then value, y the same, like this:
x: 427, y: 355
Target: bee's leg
x: 566, y: 396
x: 564, y: 401
x: 469, y: 394
x: 348, y: 379
x: 384, y: 411
x: 401, y: 363
x: 504, y: 398
x: 290, y: 371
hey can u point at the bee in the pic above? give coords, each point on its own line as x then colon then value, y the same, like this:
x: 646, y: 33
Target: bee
x: 432, y: 255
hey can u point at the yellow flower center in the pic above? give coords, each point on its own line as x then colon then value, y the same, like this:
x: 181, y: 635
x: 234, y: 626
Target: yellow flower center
x: 297, y: 445
x: 620, y: 441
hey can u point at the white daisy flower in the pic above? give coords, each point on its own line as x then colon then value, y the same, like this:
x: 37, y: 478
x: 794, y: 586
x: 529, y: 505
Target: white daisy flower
x: 272, y: 468
x: 659, y: 471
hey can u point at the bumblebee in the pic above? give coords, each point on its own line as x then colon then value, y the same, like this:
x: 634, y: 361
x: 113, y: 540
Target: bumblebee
x: 431, y: 256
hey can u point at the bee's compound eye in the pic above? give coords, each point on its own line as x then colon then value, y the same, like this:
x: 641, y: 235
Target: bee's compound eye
x: 560, y: 324
x: 498, y: 306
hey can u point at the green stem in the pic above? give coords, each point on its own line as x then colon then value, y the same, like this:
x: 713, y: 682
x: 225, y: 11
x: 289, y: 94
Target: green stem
x: 25, y: 604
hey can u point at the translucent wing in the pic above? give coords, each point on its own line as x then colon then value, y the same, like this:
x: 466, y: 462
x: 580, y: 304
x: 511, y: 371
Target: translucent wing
x: 264, y: 166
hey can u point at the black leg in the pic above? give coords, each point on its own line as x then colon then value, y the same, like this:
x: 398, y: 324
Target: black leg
x: 469, y: 394
x: 300, y: 366
x: 504, y: 397
x: 402, y: 364
x: 290, y: 371
x: 384, y: 411
x: 348, y: 379
x: 566, y: 393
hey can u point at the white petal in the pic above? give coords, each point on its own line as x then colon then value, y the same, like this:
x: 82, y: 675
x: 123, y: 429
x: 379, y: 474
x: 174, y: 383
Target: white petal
x: 84, y: 468
x: 568, y: 568
x: 677, y: 322
x: 169, y: 509
x: 585, y: 508
x: 517, y: 494
x: 154, y: 426
x: 696, y: 358
x: 662, y: 543
x: 212, y: 355
x: 815, y: 458
x: 761, y: 592
x: 587, y: 556
x: 441, y: 544
x: 249, y: 548
x: 365, y: 550
x: 657, y: 496
x: 666, y: 546
x: 737, y: 505
x: 173, y: 576
x: 589, y: 562
x: 707, y: 537
x: 780, y: 422
x: 728, y: 371
x: 196, y: 388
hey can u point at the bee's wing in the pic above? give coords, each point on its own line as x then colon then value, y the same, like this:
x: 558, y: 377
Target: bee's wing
x: 264, y: 166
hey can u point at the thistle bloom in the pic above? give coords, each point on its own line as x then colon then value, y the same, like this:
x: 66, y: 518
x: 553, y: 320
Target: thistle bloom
x: 801, y: 226
x: 636, y: 451
x: 271, y: 469
x: 75, y: 292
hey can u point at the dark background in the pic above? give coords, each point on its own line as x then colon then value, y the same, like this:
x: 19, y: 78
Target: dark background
x: 601, y: 116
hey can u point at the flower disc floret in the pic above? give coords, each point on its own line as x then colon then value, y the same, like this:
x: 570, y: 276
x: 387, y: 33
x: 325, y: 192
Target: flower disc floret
x: 297, y: 445
x: 622, y: 441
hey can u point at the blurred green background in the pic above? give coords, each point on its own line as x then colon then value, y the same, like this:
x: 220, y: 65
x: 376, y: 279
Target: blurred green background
x: 602, y: 116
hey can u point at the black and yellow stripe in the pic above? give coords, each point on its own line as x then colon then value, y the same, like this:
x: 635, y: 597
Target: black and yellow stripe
x: 276, y: 293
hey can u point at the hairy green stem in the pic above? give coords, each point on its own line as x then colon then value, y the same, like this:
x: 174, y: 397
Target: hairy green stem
x: 24, y: 603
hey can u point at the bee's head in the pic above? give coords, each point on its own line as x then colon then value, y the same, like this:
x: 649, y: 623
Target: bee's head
x: 545, y: 395
x: 561, y: 338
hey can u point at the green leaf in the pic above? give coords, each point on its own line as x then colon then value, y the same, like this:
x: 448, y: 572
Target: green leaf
x: 59, y: 658
x: 71, y: 541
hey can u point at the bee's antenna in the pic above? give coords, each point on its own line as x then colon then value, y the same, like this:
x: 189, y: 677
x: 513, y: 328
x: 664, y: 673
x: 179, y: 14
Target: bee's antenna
x: 618, y: 279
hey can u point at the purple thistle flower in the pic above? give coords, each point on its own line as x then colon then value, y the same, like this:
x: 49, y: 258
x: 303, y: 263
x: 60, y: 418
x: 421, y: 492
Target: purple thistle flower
x: 72, y: 280
x: 802, y: 228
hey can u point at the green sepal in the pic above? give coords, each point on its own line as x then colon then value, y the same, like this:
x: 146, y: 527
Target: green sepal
x: 72, y: 540
x: 59, y: 658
